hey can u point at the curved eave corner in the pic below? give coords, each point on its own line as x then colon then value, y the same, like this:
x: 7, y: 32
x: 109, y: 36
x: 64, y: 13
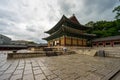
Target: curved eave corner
x: 45, y: 38
x: 56, y: 26
x: 46, y: 32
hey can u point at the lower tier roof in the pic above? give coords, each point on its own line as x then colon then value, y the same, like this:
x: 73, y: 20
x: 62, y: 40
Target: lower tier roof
x: 64, y: 31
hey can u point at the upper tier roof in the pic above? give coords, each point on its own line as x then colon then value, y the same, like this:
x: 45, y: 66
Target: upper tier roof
x: 69, y: 32
x: 71, y: 22
x: 74, y: 19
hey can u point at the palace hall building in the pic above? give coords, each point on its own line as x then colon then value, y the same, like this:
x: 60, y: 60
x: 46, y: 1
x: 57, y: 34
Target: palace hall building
x: 68, y: 32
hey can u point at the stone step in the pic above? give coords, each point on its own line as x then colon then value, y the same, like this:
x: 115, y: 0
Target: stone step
x: 90, y: 52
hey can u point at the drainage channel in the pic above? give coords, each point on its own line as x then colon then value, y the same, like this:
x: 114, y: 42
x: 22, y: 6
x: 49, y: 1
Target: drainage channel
x: 116, y: 76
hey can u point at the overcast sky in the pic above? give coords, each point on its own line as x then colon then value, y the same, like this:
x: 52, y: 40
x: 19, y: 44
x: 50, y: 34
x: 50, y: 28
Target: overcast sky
x: 28, y: 19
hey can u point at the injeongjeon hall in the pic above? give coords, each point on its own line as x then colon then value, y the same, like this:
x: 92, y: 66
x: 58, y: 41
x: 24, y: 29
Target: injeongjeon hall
x: 68, y: 32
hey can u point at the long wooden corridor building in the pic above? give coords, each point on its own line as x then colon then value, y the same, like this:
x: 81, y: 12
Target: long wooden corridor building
x: 68, y: 32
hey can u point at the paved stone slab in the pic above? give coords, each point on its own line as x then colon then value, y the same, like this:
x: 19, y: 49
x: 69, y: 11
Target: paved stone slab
x: 18, y: 72
x: 36, y: 68
x: 9, y: 71
x: 5, y: 77
x: 40, y: 77
x: 47, y: 72
x: 38, y: 71
x: 52, y: 76
x: 28, y: 72
x: 16, y: 77
x: 67, y: 67
x: 28, y: 77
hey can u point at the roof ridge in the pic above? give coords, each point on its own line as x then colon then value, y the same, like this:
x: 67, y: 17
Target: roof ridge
x: 74, y: 19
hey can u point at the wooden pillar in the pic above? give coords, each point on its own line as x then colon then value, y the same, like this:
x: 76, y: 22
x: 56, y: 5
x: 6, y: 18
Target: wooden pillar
x: 82, y: 42
x: 112, y: 43
x: 48, y: 43
x: 104, y: 44
x: 77, y: 41
x: 59, y: 42
x: 64, y: 40
x: 97, y: 44
x: 71, y: 41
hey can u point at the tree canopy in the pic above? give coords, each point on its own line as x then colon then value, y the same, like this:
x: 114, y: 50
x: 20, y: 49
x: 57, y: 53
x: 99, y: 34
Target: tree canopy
x: 117, y: 10
x: 106, y: 28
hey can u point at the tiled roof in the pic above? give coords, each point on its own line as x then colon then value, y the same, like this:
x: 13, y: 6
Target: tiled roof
x: 107, y: 38
x: 74, y: 19
x: 71, y: 22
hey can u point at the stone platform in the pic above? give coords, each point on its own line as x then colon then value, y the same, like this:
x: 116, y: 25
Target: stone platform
x: 37, y: 54
x: 65, y: 67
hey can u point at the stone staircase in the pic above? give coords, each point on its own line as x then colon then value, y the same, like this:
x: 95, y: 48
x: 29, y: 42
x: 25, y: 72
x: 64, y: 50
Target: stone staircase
x: 90, y: 52
x: 109, y: 51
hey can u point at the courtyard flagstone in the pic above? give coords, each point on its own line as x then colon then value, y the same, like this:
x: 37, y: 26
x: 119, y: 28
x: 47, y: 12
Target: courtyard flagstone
x: 66, y: 67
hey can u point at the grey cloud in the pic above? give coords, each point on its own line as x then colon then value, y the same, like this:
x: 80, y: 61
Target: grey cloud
x: 37, y: 17
x: 66, y: 6
x: 4, y: 2
x: 30, y: 28
x: 88, y: 9
x: 98, y: 5
x: 37, y: 39
x: 52, y: 13
x: 8, y: 15
x: 34, y: 28
x: 3, y: 24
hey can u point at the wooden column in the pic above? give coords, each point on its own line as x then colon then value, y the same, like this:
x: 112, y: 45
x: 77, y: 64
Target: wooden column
x: 77, y: 41
x: 82, y: 42
x: 59, y: 42
x: 112, y: 43
x: 104, y: 44
x: 48, y: 43
x: 64, y: 40
x: 71, y: 41
x: 97, y: 44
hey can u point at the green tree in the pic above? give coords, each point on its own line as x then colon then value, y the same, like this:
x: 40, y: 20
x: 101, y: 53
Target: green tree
x: 90, y: 24
x: 117, y: 10
x: 106, y: 28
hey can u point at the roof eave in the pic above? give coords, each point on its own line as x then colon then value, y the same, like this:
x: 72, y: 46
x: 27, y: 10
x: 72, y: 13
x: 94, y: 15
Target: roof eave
x: 52, y: 29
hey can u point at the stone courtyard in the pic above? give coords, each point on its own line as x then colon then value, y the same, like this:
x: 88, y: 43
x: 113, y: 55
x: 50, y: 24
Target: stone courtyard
x: 65, y: 67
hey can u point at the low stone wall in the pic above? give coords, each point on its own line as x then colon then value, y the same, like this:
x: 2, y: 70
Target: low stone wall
x: 24, y: 55
x: 38, y: 54
x: 112, y: 53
